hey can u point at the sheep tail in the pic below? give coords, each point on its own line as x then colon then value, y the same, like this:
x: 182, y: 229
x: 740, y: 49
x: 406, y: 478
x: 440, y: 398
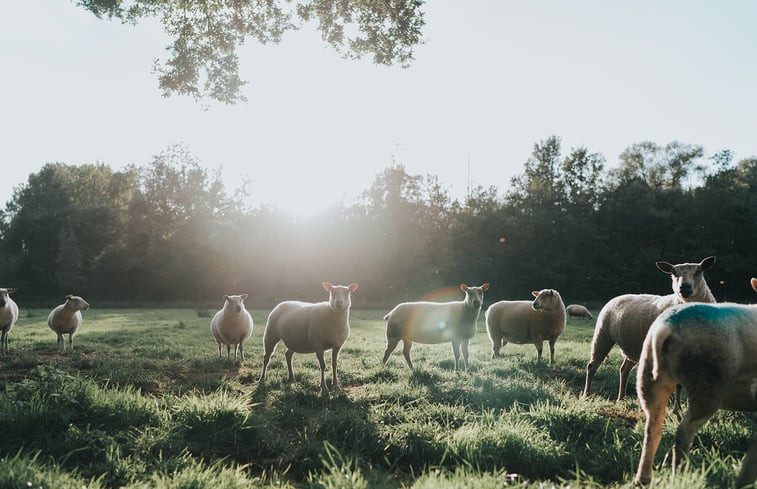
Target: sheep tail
x: 659, y: 337
x: 387, y: 316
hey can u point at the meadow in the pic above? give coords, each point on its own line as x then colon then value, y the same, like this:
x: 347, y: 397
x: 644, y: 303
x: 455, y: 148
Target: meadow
x: 145, y: 402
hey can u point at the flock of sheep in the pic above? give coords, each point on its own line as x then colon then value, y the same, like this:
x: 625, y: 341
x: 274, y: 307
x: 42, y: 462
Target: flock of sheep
x: 680, y: 340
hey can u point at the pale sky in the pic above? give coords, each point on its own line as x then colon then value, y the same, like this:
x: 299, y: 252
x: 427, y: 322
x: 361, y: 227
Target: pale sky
x: 491, y: 79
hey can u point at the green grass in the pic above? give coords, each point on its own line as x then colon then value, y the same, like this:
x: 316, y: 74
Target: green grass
x: 145, y: 402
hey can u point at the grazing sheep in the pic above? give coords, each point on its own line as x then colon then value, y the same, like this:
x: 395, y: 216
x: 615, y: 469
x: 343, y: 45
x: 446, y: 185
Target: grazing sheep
x: 578, y: 311
x: 310, y: 328
x: 625, y: 320
x: 523, y: 322
x: 66, y: 319
x: 232, y: 325
x: 435, y: 322
x: 710, y: 349
x: 8, y: 317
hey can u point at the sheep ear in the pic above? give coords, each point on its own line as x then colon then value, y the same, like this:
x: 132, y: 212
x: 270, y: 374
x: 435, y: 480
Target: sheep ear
x: 226, y: 298
x: 707, y: 262
x: 327, y: 286
x: 353, y: 287
x: 243, y: 296
x: 485, y: 287
x: 754, y: 284
x: 535, y: 293
x: 11, y: 290
x: 69, y: 296
x: 464, y: 287
x: 665, y: 266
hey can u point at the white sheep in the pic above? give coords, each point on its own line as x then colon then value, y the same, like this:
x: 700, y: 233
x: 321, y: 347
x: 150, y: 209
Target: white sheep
x: 310, y: 328
x: 710, y: 349
x: 66, y: 319
x: 625, y: 319
x: 435, y: 322
x: 578, y: 311
x: 8, y: 317
x: 524, y: 322
x: 232, y: 325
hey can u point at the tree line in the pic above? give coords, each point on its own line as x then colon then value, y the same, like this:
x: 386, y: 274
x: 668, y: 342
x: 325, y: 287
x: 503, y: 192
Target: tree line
x: 169, y: 233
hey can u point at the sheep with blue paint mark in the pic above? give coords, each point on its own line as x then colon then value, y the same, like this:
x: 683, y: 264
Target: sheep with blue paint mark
x: 435, y: 322
x: 8, y: 317
x: 711, y: 350
x: 626, y: 319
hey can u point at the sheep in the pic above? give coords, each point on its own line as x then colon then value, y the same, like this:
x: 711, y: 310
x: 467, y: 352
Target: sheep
x: 710, y: 349
x: 523, y: 322
x: 435, y: 322
x: 578, y: 311
x: 232, y: 325
x: 625, y: 319
x: 310, y: 328
x: 8, y: 316
x: 66, y: 319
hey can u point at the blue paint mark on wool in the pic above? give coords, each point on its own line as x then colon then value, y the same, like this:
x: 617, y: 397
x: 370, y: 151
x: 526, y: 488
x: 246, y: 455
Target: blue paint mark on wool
x: 702, y: 313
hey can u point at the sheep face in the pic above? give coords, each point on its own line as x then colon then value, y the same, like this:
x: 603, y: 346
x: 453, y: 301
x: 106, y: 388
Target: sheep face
x: 688, y: 278
x: 235, y: 302
x: 474, y: 296
x: 4, y: 293
x: 339, y: 295
x: 545, y: 300
x: 77, y: 303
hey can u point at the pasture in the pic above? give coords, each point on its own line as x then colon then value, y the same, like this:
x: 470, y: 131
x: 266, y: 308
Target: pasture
x: 144, y: 402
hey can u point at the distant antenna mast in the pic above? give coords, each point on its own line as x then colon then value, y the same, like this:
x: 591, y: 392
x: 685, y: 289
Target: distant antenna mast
x: 469, y: 176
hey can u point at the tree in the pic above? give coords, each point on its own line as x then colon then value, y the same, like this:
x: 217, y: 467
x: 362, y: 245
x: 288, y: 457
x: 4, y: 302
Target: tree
x: 203, y: 59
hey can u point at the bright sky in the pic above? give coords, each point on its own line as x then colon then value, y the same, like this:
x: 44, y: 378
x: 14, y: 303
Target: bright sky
x: 492, y: 78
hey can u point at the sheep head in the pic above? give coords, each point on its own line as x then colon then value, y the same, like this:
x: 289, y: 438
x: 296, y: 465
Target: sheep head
x: 234, y: 302
x: 339, y: 295
x: 545, y: 300
x: 76, y: 303
x: 4, y: 296
x: 688, y: 278
x: 474, y: 296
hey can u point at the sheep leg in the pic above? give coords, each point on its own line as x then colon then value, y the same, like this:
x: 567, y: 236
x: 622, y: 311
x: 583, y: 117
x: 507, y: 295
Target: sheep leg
x: 406, y: 352
x: 464, y: 346
x: 391, y: 345
x: 538, y: 345
x: 748, y: 472
x: 456, y: 352
x: 322, y: 365
x: 4, y: 341
x: 625, y: 371
x: 269, y: 349
x: 600, y: 348
x: 654, y: 400
x: 702, y: 405
x: 334, y: 357
x: 70, y: 342
x: 241, y: 351
x: 289, y: 354
x: 228, y: 352
x: 497, y: 343
x: 552, y: 351
x: 219, y: 351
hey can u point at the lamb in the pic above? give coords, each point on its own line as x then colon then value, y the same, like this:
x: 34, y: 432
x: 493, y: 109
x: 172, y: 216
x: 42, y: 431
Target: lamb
x: 8, y: 317
x: 625, y: 319
x: 310, y: 328
x: 710, y: 349
x: 66, y: 319
x: 578, y: 311
x: 232, y: 325
x: 435, y: 322
x: 522, y: 322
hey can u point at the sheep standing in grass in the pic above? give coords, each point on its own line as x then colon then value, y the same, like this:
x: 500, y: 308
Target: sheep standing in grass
x: 435, y: 322
x: 66, y: 319
x: 578, y: 311
x: 523, y: 322
x: 710, y: 349
x: 310, y: 328
x: 232, y: 325
x: 8, y: 317
x: 625, y: 320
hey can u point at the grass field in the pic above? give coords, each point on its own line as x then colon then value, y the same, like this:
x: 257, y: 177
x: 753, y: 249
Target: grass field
x: 144, y: 402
